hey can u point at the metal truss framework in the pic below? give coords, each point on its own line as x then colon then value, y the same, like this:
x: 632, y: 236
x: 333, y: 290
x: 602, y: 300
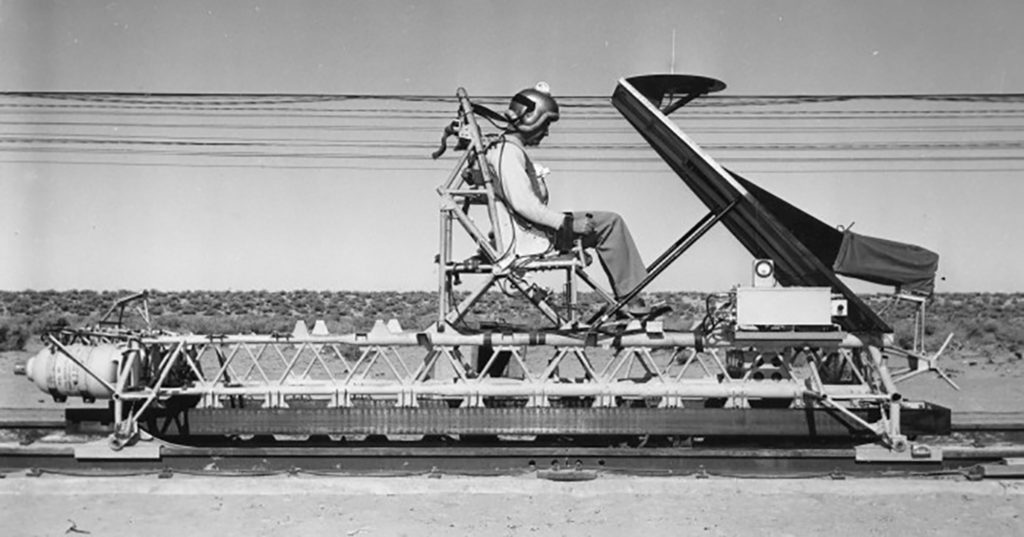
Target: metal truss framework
x: 394, y: 368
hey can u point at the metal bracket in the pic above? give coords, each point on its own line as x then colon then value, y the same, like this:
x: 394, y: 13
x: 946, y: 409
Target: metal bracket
x: 1007, y: 468
x: 920, y: 363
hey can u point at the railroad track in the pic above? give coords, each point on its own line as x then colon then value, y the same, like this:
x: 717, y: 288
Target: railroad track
x: 491, y: 460
x: 88, y: 455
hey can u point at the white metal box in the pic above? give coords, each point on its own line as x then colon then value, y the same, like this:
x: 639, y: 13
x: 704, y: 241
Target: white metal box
x: 797, y: 306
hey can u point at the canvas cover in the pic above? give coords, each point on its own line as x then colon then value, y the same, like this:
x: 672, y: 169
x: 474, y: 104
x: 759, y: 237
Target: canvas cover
x: 910, y: 268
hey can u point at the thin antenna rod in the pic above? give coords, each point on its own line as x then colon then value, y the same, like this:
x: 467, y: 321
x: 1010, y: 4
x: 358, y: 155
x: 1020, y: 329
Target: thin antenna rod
x: 673, y: 67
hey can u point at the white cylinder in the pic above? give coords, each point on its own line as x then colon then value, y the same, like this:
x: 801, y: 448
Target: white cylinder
x: 58, y: 375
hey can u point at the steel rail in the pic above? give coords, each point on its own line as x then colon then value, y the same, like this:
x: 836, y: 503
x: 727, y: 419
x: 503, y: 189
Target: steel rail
x: 496, y: 459
x: 713, y: 457
x: 382, y: 337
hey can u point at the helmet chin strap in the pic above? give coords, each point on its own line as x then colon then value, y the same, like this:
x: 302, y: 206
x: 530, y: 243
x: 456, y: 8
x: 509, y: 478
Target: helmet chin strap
x: 528, y: 139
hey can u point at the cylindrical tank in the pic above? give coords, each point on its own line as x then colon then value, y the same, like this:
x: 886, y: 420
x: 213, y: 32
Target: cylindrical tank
x: 58, y: 375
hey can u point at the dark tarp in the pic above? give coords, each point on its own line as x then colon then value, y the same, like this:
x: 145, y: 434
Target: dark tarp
x: 909, y: 267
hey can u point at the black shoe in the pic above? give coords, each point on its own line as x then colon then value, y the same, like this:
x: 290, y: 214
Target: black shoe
x: 646, y: 312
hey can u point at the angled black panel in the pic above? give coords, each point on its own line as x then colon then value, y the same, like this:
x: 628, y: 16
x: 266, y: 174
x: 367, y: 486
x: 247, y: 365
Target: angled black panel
x: 758, y: 220
x: 823, y: 240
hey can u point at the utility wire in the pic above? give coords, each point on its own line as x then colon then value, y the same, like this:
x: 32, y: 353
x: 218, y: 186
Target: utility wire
x: 347, y: 131
x: 443, y: 168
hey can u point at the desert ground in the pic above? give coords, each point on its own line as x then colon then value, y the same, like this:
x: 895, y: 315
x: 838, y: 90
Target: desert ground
x: 608, y: 506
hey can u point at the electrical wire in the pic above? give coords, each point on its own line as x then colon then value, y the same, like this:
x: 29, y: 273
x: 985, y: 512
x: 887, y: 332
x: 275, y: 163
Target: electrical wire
x: 956, y: 132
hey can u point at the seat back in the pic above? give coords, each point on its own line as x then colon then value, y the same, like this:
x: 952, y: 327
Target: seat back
x: 514, y: 247
x: 521, y: 240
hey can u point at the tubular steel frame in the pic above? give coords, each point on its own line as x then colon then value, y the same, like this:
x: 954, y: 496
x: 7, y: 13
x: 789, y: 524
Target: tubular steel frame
x: 497, y: 260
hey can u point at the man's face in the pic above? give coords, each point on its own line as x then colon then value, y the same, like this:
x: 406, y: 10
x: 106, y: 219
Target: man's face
x: 540, y: 135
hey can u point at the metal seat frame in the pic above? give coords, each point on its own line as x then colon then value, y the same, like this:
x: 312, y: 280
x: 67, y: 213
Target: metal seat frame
x: 472, y: 183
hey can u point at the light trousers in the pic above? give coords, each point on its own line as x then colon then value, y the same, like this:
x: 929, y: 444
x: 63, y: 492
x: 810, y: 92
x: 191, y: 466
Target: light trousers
x: 616, y: 250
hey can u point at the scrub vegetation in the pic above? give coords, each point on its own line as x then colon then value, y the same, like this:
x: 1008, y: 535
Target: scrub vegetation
x: 987, y: 325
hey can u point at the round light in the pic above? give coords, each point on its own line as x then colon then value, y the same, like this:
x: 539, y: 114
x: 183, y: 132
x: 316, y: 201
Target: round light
x: 763, y: 268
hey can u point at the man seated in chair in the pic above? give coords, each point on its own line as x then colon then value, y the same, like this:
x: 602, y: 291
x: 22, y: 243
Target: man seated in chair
x: 524, y: 191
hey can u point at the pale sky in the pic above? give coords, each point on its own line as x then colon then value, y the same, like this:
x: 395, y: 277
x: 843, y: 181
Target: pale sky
x: 185, y: 222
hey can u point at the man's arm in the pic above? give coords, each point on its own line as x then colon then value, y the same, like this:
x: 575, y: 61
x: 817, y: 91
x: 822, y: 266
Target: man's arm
x: 519, y: 189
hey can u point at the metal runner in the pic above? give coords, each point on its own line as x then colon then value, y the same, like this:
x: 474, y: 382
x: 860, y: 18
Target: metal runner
x: 498, y: 459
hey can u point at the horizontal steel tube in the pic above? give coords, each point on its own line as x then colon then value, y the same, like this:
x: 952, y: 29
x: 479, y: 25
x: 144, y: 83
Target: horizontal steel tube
x: 526, y: 389
x: 452, y: 339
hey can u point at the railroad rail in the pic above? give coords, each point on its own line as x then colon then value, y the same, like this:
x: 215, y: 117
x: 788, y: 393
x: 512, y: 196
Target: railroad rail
x: 81, y: 454
x: 493, y: 460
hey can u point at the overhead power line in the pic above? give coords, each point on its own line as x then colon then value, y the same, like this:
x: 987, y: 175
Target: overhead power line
x: 113, y: 96
x: 339, y: 131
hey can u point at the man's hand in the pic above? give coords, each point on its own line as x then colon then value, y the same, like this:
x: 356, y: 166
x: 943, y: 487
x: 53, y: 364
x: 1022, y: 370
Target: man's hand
x: 582, y: 225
